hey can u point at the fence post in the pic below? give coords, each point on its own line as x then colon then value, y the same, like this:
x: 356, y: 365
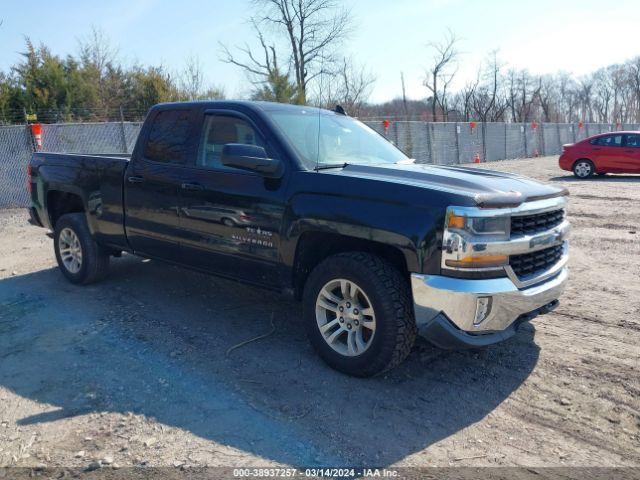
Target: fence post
x: 505, y: 141
x: 429, y: 126
x: 523, y: 129
x: 457, y: 142
x: 543, y: 141
x: 483, y: 138
x: 125, y: 148
x: 395, y: 133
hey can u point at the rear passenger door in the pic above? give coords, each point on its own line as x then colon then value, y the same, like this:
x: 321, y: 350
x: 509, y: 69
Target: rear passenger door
x: 632, y: 152
x: 231, y: 217
x: 153, y: 181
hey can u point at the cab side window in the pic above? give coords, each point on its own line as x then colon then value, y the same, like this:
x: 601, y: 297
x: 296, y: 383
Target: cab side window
x: 633, y: 141
x: 608, y: 141
x: 220, y: 130
x: 167, y: 141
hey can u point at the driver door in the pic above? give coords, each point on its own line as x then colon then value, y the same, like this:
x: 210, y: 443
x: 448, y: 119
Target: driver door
x: 231, y: 218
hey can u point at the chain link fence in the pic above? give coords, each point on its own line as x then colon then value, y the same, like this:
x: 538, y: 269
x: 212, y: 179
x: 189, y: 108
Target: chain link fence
x: 16, y: 147
x: 428, y: 142
x: 456, y: 143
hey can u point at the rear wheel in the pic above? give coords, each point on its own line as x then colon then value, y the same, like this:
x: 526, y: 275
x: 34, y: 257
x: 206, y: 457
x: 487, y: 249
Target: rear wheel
x: 358, y: 314
x: 583, y: 168
x: 79, y: 257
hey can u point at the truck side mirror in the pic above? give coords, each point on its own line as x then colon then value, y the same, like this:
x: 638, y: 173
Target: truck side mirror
x: 251, y: 157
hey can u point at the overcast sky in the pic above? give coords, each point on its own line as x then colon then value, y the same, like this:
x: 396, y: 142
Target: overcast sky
x: 390, y: 35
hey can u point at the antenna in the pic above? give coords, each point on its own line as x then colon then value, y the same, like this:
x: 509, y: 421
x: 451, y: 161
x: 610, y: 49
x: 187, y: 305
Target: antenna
x: 320, y: 106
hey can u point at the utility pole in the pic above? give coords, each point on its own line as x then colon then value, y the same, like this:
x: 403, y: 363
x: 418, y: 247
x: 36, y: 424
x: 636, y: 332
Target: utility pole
x: 404, y: 98
x: 409, y: 146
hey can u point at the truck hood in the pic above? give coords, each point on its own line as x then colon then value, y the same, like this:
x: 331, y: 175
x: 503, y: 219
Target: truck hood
x: 487, y: 188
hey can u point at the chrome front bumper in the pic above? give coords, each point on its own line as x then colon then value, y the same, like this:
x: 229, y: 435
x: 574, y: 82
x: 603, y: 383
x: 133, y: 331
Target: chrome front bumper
x: 445, y: 307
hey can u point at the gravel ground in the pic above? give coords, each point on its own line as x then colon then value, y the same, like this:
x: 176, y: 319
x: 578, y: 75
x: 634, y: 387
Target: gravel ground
x: 137, y: 370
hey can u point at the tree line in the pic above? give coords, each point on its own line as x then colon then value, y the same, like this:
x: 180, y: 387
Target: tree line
x: 92, y: 85
x: 296, y: 56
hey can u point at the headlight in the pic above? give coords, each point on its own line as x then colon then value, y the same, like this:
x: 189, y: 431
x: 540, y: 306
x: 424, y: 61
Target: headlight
x: 496, y: 227
x: 465, y: 240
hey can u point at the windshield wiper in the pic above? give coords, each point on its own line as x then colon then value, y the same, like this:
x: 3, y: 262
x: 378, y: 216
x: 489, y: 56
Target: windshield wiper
x: 326, y: 166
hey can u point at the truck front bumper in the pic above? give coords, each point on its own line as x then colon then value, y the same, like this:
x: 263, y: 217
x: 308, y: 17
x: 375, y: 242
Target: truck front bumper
x: 457, y: 313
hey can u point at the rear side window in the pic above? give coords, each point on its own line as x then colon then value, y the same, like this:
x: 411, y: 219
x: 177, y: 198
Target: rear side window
x: 168, y: 136
x: 633, y: 141
x: 608, y: 141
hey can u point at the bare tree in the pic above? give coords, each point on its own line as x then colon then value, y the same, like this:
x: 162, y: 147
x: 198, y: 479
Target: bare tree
x: 192, y: 82
x: 585, y: 93
x: 441, y: 72
x: 349, y: 85
x: 603, y: 86
x: 464, y: 98
x: 271, y: 82
x: 98, y: 58
x: 312, y: 30
x: 192, y: 78
x: 488, y: 104
x: 547, y: 97
x: 634, y: 82
x: 96, y: 50
x: 566, y: 96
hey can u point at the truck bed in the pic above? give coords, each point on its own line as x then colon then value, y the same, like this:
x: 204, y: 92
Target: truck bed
x: 97, y: 179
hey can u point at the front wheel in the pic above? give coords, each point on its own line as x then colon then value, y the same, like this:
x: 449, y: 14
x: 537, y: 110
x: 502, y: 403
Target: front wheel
x: 583, y: 169
x: 79, y: 257
x: 358, y: 314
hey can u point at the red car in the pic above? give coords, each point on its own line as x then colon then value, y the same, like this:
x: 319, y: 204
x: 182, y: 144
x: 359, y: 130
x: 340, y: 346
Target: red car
x: 615, y: 152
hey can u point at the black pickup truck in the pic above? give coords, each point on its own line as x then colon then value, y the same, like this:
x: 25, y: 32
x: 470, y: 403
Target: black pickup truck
x: 314, y: 204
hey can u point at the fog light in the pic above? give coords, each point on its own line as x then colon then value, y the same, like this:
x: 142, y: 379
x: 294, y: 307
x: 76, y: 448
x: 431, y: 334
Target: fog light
x: 483, y: 308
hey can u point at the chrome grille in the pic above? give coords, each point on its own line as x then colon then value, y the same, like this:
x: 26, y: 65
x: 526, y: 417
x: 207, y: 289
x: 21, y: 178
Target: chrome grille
x: 536, y: 223
x: 531, y: 264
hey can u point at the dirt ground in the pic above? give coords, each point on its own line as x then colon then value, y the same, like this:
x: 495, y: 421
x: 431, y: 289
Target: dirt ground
x: 137, y: 370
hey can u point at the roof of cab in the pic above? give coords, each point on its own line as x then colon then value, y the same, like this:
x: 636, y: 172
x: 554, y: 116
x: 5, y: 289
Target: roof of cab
x: 255, y: 105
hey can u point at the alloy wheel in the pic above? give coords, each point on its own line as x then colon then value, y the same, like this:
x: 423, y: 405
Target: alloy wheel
x: 582, y: 169
x: 70, y: 250
x: 345, y: 317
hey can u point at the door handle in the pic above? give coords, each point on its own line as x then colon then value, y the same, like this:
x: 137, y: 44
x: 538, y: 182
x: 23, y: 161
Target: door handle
x: 191, y: 186
x: 629, y: 151
x: 135, y: 179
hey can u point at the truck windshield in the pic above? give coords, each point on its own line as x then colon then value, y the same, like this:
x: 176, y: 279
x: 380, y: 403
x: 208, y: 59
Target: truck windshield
x: 328, y: 139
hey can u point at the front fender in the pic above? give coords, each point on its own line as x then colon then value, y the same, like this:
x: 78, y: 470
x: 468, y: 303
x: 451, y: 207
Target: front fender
x: 412, y: 230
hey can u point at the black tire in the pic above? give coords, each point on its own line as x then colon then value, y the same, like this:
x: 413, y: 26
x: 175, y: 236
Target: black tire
x: 583, y: 168
x: 228, y: 222
x: 95, y: 260
x: 390, y: 297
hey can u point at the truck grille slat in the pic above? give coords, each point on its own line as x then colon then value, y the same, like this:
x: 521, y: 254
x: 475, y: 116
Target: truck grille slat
x: 533, y: 263
x: 536, y: 223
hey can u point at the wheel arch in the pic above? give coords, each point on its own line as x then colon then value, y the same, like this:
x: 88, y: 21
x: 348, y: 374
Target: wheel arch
x: 61, y: 202
x: 581, y: 159
x: 315, y: 246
